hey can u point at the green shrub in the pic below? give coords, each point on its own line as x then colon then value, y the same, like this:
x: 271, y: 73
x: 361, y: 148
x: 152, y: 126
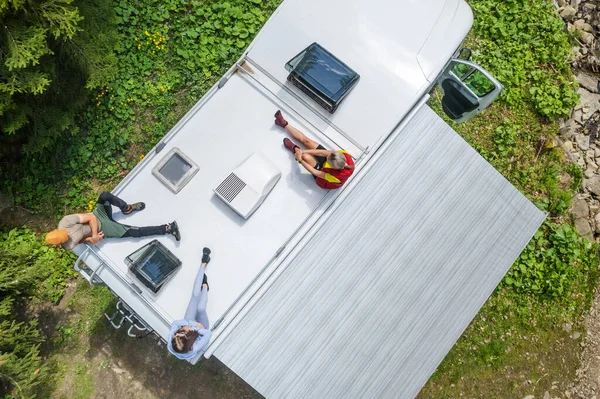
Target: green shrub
x: 28, y: 268
x: 525, y: 46
x: 169, y: 53
x: 555, y: 263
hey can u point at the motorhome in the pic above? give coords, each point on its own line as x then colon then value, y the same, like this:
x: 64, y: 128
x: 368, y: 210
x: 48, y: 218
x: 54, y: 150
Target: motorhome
x: 347, y: 293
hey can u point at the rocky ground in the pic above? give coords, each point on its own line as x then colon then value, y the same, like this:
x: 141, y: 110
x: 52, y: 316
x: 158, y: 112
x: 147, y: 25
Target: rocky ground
x: 581, y: 140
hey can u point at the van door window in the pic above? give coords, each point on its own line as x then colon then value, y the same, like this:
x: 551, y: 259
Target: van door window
x: 467, y: 89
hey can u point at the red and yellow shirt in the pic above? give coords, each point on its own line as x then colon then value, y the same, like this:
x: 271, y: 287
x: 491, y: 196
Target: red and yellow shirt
x: 335, y: 178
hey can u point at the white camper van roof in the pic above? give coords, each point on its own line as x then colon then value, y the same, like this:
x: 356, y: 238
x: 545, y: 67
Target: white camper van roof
x: 354, y: 292
x: 397, y: 48
x: 232, y: 122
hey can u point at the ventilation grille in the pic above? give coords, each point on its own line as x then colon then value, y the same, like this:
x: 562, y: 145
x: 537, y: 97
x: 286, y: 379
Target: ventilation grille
x: 230, y: 187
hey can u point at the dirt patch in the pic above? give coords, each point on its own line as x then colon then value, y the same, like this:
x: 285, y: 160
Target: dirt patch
x: 90, y: 359
x: 18, y: 217
x: 119, y: 366
x: 588, y: 374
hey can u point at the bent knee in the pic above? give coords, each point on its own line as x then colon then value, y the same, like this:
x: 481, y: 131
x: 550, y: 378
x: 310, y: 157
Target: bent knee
x: 104, y: 196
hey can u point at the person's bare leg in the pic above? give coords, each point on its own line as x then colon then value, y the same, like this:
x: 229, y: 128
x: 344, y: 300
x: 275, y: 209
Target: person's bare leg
x: 301, y: 138
x: 309, y: 159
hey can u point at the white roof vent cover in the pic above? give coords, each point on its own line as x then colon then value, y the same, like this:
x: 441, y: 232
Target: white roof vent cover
x: 247, y: 186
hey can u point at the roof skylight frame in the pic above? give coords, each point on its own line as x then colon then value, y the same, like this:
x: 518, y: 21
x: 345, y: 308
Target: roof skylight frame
x: 184, y: 179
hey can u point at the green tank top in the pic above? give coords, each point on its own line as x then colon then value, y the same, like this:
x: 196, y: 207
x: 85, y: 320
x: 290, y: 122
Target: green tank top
x: 109, y: 227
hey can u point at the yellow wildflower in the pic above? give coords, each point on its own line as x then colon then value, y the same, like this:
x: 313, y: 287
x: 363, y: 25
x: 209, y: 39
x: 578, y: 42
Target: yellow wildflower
x: 146, y: 33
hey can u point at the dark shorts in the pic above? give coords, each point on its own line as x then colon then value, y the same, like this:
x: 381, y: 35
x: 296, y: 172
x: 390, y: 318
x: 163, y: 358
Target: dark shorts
x: 320, y: 160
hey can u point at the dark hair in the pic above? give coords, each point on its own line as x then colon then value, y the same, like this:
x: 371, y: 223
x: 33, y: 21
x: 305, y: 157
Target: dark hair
x: 183, y: 340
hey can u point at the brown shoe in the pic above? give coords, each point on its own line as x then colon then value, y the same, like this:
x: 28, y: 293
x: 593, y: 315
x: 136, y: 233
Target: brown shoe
x: 279, y: 121
x: 289, y: 144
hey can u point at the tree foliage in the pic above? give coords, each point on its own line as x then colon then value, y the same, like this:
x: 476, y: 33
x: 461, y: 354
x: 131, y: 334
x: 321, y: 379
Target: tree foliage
x: 51, y: 53
x: 28, y: 268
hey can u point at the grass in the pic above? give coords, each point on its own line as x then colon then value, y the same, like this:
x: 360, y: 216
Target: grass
x: 515, y: 346
x: 75, y: 328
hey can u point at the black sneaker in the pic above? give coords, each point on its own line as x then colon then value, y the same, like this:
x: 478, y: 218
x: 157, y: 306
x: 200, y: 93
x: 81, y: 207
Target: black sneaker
x: 205, y: 281
x: 205, y: 255
x: 173, y: 229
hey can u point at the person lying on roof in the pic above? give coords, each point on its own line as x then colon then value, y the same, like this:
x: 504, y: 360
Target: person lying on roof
x: 92, y: 227
x: 191, y: 336
x: 330, y: 168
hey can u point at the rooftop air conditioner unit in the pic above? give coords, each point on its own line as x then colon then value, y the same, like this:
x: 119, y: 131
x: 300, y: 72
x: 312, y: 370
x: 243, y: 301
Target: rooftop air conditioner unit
x: 247, y: 186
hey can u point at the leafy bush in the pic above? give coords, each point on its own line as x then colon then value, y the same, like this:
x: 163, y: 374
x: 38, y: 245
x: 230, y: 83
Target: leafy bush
x: 169, y: 53
x: 51, y: 52
x: 554, y: 263
x: 524, y: 45
x: 28, y: 268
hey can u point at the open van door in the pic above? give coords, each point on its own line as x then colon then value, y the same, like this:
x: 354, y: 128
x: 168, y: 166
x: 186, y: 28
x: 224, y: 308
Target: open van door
x: 467, y: 89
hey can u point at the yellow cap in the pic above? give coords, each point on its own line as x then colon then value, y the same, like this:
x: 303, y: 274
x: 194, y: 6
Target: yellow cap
x: 57, y: 237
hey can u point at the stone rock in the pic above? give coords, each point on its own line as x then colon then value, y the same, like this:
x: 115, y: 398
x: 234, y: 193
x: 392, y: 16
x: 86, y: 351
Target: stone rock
x: 578, y: 116
x: 588, y: 82
x: 588, y: 6
x: 584, y: 229
x: 561, y: 3
x: 597, y: 222
x: 546, y: 395
x: 568, y: 129
x: 597, y: 152
x: 589, y: 172
x: 590, y: 163
x: 579, y: 208
x: 583, y: 142
x: 581, y: 162
x: 576, y: 335
x: 593, y: 185
x: 568, y: 13
x: 589, y: 103
x: 587, y: 37
x: 584, y: 51
x: 529, y: 397
x: 589, y: 154
x: 580, y: 24
x: 567, y: 327
x: 568, y: 146
x: 5, y: 202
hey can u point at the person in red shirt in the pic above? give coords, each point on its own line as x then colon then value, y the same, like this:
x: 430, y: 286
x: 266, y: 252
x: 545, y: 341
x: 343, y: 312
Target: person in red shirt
x: 330, y: 168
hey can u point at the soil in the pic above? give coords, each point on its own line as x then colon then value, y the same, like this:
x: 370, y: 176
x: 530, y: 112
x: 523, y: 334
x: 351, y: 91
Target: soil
x: 588, y: 374
x: 17, y: 216
x: 109, y: 364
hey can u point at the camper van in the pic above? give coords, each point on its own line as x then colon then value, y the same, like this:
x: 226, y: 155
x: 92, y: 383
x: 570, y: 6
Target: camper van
x: 357, y: 292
